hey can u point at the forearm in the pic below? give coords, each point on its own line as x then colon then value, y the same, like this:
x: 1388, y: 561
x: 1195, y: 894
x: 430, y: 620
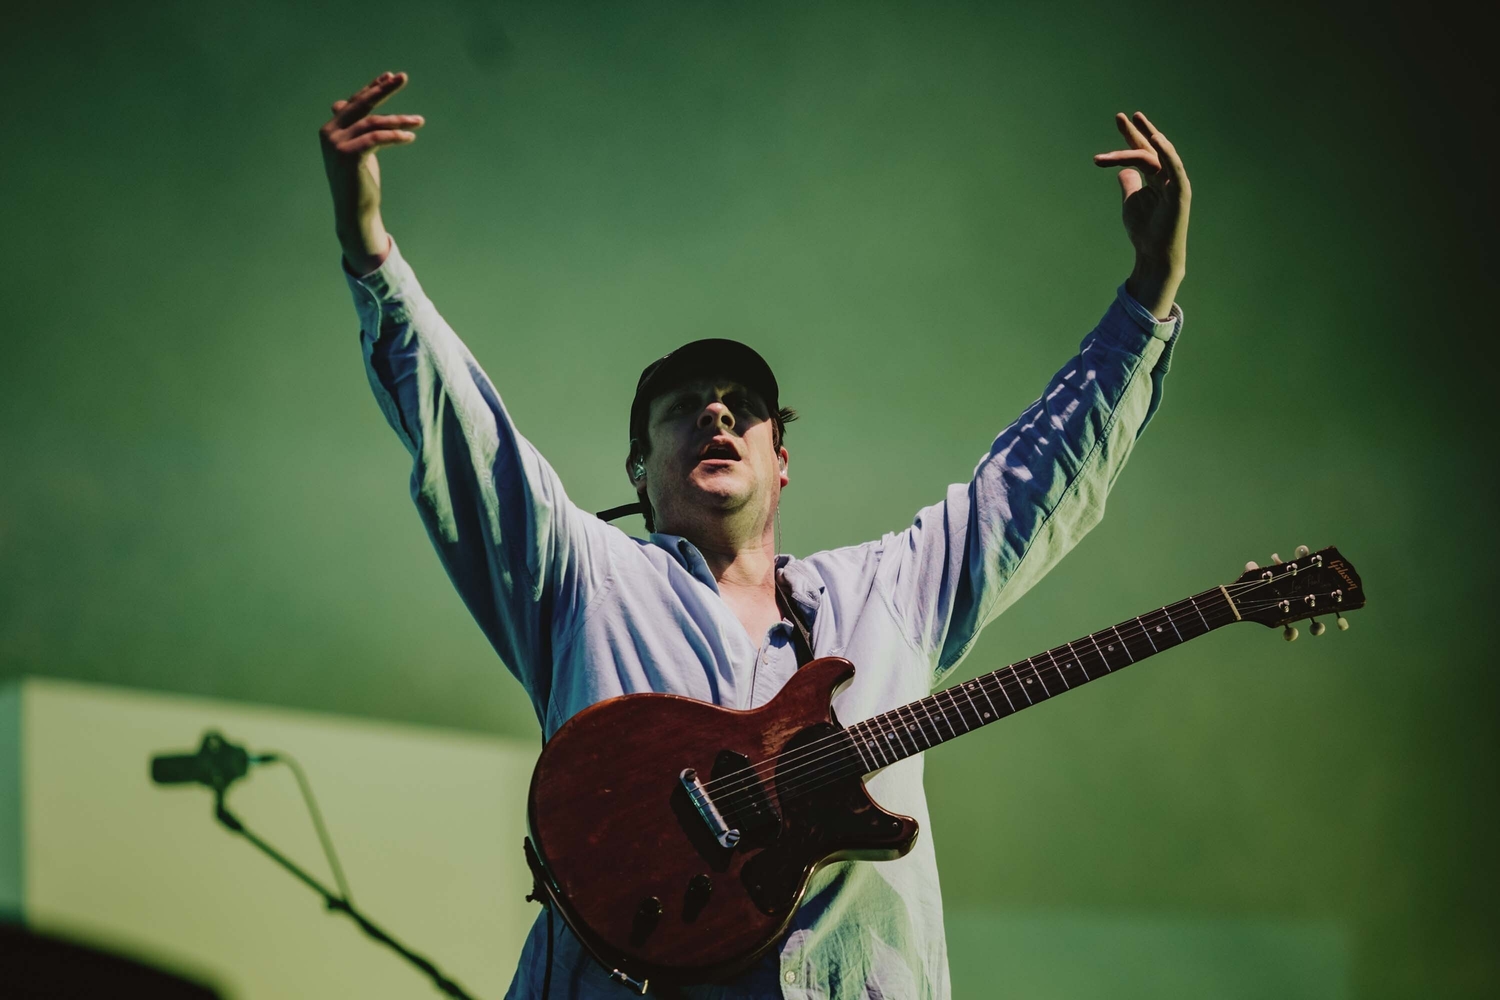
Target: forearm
x: 365, y: 242
x: 1154, y: 285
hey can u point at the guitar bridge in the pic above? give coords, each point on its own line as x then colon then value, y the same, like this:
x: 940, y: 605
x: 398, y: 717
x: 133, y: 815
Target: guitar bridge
x: 699, y: 795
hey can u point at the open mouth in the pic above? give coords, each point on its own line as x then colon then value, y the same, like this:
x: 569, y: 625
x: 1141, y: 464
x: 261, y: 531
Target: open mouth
x: 719, y: 449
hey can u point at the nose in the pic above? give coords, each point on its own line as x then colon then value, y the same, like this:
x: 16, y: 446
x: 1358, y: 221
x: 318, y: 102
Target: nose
x: 716, y: 414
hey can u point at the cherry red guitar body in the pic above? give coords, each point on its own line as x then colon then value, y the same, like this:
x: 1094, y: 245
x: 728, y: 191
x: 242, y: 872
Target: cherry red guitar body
x: 635, y: 868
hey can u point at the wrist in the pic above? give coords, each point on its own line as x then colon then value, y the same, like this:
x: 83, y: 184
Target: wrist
x: 366, y: 250
x: 1154, y: 285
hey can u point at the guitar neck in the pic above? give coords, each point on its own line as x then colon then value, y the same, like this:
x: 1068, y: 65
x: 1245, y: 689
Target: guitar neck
x: 965, y: 707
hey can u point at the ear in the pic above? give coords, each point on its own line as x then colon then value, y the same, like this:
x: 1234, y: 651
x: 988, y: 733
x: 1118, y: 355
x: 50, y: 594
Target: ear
x: 781, y: 461
x: 635, y: 465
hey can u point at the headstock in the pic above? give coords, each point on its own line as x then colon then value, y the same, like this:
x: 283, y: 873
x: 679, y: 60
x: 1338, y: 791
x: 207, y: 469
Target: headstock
x: 1313, y: 584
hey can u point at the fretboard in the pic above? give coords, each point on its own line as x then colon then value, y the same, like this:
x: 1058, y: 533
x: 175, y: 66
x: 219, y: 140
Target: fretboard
x: 965, y: 707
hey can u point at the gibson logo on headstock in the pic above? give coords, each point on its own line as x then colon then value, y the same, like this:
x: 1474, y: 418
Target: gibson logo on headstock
x: 1339, y: 567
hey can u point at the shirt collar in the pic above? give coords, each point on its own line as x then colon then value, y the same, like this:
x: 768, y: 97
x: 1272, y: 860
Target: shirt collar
x: 802, y: 581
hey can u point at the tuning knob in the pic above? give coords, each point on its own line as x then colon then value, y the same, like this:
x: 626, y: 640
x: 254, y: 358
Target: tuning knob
x: 1343, y: 623
x: 1275, y: 559
x: 1289, y: 633
x: 1251, y: 566
x: 1303, y: 550
x: 1317, y: 628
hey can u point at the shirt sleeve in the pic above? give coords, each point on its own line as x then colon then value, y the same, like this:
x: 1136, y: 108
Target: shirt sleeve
x: 1035, y: 493
x: 521, y: 555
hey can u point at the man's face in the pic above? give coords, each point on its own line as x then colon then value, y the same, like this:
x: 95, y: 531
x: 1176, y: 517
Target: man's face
x: 711, y: 449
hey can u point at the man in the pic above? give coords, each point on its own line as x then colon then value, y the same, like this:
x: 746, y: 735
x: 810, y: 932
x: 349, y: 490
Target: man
x: 705, y: 607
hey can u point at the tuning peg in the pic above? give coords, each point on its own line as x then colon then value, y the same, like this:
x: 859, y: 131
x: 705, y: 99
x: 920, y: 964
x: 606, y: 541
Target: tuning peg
x: 1275, y: 559
x: 1317, y: 628
x: 1289, y: 633
x: 1303, y: 550
x: 1343, y: 623
x: 1251, y: 566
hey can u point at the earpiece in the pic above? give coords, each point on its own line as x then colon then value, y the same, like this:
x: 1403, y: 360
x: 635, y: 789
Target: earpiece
x: 638, y: 470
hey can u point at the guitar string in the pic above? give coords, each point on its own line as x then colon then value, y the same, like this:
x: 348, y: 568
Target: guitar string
x: 801, y: 784
x: 1010, y: 681
x: 808, y: 782
x: 809, y: 776
x: 1135, y: 630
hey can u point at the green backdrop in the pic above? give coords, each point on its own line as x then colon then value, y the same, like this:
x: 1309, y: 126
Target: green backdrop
x: 896, y: 204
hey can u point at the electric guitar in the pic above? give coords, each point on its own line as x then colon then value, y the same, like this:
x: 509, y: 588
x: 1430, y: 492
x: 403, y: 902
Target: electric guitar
x: 676, y: 838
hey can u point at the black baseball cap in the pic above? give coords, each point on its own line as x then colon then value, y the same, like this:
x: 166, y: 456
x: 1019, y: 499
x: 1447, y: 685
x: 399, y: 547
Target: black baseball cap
x: 714, y: 356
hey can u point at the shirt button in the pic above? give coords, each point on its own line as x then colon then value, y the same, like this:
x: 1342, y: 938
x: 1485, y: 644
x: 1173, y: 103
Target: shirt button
x: 790, y: 976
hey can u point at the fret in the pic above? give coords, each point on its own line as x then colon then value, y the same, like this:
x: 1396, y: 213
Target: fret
x: 906, y: 730
x: 968, y: 689
x: 1102, y: 658
x: 970, y: 718
x: 1206, y: 626
x: 1121, y: 643
x: 1037, y: 676
x: 864, y: 755
x: 1136, y: 642
x: 891, y: 739
x: 1059, y: 671
x: 1146, y: 631
x: 893, y: 724
x: 1168, y: 615
x: 1000, y: 683
x: 1021, y: 683
x: 877, y: 738
x: 994, y: 713
x: 918, y: 727
x: 922, y: 727
x: 870, y: 736
x: 937, y: 699
x: 937, y: 702
x: 1078, y: 660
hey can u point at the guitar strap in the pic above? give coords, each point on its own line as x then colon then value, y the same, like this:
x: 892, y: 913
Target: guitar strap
x: 801, y: 637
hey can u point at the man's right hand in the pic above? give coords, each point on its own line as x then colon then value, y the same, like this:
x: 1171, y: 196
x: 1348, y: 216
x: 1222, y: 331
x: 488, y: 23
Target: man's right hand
x: 350, y: 139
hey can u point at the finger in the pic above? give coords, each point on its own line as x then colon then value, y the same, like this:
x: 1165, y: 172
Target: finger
x: 1130, y: 183
x: 375, y: 123
x: 1171, y: 162
x: 1145, y: 159
x: 338, y: 106
x: 369, y: 97
x: 376, y: 140
x: 1130, y: 132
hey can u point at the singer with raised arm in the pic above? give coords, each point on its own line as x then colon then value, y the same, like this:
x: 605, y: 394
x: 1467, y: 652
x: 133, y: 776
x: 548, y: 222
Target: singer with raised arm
x: 704, y: 607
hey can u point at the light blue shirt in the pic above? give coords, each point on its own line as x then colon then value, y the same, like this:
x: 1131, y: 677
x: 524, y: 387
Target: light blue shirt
x: 579, y: 611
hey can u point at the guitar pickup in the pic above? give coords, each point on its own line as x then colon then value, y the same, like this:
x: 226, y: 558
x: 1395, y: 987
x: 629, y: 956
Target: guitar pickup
x: 744, y: 801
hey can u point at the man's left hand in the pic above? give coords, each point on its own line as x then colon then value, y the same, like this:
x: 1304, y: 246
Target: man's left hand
x: 1156, y: 194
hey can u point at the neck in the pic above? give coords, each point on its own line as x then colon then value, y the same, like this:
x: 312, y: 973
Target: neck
x: 740, y: 562
x: 739, y: 546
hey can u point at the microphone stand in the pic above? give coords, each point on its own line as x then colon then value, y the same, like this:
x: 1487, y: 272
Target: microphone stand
x: 335, y: 902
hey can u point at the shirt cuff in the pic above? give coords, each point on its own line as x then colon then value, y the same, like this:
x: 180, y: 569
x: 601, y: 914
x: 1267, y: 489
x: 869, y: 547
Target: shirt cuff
x: 1162, y: 329
x: 392, y: 281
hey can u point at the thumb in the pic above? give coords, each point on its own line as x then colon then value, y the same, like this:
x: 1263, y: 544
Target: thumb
x: 1130, y: 183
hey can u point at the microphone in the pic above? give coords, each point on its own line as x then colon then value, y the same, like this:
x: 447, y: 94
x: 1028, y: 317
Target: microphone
x: 217, y: 764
